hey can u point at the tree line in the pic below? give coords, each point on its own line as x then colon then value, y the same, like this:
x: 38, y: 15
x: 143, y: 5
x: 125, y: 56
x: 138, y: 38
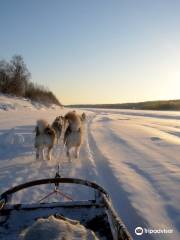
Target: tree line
x: 165, y: 105
x: 15, y: 80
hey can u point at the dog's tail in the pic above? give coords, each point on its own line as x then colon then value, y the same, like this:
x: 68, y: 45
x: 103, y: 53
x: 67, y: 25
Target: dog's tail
x: 41, y: 125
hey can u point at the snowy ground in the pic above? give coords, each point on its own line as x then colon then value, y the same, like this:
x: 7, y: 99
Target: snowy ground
x: 134, y: 155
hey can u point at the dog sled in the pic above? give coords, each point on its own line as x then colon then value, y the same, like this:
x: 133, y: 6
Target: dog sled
x: 96, y: 214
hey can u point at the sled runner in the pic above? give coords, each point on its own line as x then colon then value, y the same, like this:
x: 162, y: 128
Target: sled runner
x: 96, y: 214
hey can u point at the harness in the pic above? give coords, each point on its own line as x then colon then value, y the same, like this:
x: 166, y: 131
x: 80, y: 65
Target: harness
x: 69, y: 131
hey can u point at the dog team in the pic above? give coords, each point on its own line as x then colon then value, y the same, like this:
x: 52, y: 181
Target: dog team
x: 46, y: 135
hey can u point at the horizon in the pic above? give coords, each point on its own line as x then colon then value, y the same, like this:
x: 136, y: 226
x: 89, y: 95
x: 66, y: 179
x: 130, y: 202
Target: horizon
x: 121, y: 102
x: 97, y: 51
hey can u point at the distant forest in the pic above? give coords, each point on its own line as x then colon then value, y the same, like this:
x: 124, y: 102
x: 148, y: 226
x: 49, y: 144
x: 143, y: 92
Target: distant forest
x: 173, y: 105
x: 15, y: 80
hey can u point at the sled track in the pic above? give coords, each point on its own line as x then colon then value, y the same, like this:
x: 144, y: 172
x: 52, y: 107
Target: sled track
x: 135, y: 158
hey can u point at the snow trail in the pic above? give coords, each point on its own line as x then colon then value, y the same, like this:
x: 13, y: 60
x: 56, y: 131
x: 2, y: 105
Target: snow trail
x: 133, y: 155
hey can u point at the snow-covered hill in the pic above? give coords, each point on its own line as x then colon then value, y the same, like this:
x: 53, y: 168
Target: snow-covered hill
x: 19, y: 104
x: 134, y: 155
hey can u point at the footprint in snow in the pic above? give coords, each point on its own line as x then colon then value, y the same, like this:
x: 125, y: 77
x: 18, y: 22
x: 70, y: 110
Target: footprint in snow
x: 156, y: 139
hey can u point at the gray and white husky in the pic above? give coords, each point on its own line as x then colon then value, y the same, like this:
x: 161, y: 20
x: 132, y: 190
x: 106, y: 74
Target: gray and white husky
x: 73, y: 136
x: 57, y: 125
x: 45, y: 138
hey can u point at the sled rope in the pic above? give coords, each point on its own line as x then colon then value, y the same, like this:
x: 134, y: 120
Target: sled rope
x: 56, y: 188
x: 57, y: 175
x: 60, y: 162
x: 56, y: 191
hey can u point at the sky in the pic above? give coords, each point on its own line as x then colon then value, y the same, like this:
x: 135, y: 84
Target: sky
x: 96, y: 51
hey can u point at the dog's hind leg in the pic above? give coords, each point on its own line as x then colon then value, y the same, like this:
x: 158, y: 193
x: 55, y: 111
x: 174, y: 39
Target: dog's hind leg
x: 77, y: 152
x: 68, y: 154
x: 49, y: 153
x: 37, y: 153
x: 41, y: 153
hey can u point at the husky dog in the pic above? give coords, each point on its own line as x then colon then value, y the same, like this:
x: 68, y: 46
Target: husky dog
x: 45, y: 138
x: 57, y: 125
x: 73, y: 136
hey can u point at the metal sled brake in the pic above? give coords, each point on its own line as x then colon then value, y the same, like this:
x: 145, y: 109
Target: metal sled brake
x: 97, y: 214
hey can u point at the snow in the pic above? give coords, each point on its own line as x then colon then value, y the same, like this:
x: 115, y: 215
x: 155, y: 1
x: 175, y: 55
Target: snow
x: 133, y: 154
x: 8, y: 102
